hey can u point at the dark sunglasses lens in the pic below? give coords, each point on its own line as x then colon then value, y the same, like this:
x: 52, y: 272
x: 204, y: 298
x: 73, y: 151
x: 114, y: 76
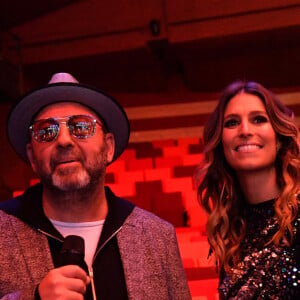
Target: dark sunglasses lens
x: 45, y: 130
x: 81, y: 126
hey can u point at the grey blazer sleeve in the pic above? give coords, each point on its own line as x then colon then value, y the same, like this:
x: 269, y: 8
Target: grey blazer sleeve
x: 24, y: 258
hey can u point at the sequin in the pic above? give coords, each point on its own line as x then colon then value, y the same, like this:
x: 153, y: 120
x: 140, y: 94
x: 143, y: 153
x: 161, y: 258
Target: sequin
x: 265, y: 271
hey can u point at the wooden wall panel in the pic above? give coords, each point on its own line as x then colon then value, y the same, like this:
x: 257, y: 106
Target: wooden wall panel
x: 90, y: 18
x: 97, y: 27
x: 234, y: 24
x: 179, y: 11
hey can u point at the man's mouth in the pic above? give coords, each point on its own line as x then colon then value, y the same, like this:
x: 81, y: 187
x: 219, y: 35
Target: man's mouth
x: 68, y: 162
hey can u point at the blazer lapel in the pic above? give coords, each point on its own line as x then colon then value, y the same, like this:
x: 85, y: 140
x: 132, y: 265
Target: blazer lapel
x: 131, y: 251
x: 37, y: 259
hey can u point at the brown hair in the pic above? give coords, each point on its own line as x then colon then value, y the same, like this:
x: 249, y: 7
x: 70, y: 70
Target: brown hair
x: 218, y: 189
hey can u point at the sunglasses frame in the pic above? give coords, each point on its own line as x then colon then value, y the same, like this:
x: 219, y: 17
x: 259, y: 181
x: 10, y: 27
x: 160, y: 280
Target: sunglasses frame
x: 63, y: 120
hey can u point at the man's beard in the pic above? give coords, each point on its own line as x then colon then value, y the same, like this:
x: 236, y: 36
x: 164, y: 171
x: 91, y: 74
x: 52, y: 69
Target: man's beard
x: 80, y: 180
x: 75, y: 179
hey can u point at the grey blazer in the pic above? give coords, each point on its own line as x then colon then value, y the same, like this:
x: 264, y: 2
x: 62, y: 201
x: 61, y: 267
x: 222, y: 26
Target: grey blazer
x: 148, y: 247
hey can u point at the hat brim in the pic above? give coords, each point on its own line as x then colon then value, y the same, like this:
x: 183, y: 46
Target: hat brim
x: 108, y: 109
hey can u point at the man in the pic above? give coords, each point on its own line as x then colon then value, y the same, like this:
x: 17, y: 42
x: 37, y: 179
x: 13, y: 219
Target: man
x: 69, y: 133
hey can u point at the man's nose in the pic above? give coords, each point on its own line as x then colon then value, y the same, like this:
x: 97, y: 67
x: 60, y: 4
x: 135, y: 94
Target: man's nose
x: 64, y: 135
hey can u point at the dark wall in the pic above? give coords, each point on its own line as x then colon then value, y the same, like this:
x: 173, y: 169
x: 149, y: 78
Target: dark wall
x: 14, y: 173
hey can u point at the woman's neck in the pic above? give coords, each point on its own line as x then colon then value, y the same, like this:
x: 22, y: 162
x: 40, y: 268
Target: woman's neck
x: 259, y: 186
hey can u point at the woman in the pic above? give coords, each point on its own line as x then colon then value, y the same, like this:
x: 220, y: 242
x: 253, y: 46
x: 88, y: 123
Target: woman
x: 249, y: 185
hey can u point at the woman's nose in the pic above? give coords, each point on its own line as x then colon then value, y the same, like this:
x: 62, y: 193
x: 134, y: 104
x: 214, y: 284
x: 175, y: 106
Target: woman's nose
x: 245, y: 128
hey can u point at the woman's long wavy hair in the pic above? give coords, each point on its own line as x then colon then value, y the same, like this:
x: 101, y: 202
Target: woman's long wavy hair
x: 218, y: 189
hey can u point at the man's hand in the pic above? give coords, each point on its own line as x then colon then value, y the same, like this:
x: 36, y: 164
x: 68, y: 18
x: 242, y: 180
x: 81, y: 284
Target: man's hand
x: 67, y: 282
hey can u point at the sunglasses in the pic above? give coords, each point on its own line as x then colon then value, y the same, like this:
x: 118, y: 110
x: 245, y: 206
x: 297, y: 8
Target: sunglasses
x: 47, y: 130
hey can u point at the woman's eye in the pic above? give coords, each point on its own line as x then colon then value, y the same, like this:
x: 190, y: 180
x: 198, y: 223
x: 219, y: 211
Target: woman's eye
x: 260, y: 119
x: 231, y: 123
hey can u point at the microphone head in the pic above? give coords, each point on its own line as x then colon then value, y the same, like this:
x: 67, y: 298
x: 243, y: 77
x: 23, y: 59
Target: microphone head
x: 73, y: 244
x: 72, y: 251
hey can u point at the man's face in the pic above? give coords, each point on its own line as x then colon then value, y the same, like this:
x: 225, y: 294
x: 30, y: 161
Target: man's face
x: 68, y: 163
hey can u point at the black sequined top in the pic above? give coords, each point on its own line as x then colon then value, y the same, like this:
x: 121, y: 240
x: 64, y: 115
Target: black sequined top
x: 265, y: 271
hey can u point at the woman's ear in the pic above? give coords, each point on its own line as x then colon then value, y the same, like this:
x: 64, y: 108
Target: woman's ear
x: 278, y: 146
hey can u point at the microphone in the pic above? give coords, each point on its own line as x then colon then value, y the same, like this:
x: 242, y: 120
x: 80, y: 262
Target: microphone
x: 72, y: 252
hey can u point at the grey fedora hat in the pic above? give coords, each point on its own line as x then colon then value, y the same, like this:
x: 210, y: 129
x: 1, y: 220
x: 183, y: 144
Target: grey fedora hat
x: 63, y: 87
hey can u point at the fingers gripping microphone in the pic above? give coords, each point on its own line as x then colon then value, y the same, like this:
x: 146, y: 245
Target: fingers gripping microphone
x: 72, y: 252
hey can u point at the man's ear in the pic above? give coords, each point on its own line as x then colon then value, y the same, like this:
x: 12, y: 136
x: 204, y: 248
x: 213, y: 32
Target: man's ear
x: 29, y: 151
x: 110, y: 144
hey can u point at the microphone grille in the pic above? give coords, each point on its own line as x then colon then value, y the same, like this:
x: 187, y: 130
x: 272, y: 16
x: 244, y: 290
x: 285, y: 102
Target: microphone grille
x: 73, y: 244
